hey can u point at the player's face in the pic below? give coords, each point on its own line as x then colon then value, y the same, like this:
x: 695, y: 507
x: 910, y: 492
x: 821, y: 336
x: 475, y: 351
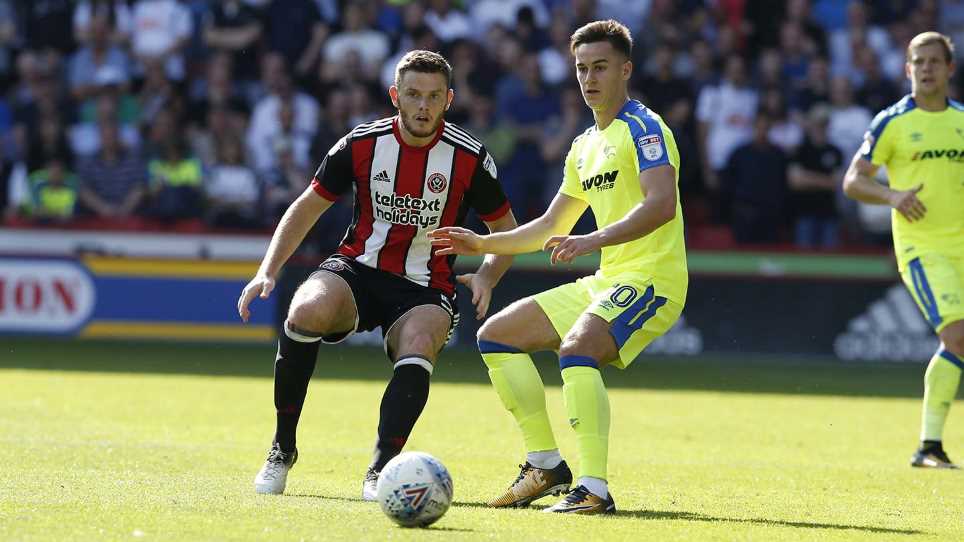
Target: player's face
x: 421, y: 100
x: 928, y: 69
x: 603, y: 73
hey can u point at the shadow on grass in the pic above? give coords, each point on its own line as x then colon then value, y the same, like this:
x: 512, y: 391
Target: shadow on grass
x: 357, y: 499
x: 753, y: 374
x: 690, y: 516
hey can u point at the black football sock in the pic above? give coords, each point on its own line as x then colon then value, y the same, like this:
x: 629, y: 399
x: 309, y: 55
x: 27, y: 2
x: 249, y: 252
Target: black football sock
x: 297, y: 355
x: 402, y: 404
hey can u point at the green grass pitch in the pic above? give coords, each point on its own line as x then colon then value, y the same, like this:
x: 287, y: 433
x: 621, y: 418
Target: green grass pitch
x: 118, y: 441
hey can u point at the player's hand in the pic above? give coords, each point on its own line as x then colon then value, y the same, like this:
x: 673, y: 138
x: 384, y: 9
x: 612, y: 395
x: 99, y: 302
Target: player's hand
x: 481, y: 292
x: 455, y: 240
x: 907, y: 204
x: 566, y: 247
x: 260, y: 286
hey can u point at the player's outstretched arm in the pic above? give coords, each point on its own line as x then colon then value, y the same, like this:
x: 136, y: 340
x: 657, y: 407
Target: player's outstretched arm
x: 291, y: 230
x: 659, y: 207
x: 487, y: 276
x: 559, y: 218
x: 859, y: 184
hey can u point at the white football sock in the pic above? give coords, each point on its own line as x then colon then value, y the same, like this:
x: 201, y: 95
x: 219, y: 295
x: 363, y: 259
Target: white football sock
x: 596, y: 486
x: 547, y: 459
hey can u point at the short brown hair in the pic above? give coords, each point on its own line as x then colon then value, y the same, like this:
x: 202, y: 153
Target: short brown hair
x: 928, y: 38
x: 609, y: 30
x: 423, y: 62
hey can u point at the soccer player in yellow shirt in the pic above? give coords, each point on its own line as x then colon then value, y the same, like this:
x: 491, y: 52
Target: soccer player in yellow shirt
x: 625, y: 168
x: 920, y: 140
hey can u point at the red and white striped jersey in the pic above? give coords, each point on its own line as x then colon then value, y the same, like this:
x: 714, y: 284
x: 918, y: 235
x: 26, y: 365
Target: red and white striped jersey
x: 403, y: 192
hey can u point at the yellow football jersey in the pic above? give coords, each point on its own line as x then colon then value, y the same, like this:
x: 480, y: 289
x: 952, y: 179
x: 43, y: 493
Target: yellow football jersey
x: 602, y: 169
x: 923, y: 147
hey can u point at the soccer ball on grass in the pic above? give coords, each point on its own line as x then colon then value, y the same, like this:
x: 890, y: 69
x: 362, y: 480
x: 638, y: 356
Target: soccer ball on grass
x: 414, y: 489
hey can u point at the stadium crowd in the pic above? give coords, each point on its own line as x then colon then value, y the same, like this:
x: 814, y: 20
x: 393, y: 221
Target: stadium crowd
x: 194, y: 115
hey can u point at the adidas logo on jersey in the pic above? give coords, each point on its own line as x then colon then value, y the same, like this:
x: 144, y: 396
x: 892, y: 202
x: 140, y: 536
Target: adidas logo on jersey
x: 381, y: 176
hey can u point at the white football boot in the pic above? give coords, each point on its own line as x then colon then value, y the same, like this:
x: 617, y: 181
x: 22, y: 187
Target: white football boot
x: 370, y: 485
x: 273, y: 475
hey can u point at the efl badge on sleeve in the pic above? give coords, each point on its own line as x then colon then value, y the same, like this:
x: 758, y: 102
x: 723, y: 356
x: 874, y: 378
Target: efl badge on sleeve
x: 652, y: 147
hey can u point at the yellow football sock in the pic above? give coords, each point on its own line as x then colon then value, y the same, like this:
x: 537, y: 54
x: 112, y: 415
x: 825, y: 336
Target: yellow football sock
x: 520, y: 388
x: 587, y: 403
x: 940, y: 387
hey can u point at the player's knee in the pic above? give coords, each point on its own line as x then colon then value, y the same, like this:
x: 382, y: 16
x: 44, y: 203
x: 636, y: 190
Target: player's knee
x: 491, y: 331
x: 422, y: 343
x: 308, y: 314
x: 954, y: 343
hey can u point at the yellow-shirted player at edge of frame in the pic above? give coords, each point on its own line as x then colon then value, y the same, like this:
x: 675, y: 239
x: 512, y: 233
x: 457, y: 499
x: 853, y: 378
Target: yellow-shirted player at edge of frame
x: 920, y: 142
x: 625, y: 168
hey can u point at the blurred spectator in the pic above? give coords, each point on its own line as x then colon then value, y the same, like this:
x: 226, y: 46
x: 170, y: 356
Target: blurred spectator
x: 785, y: 131
x: 754, y: 187
x: 233, y: 27
x: 335, y: 123
x: 232, y: 190
x: 162, y: 28
x: 48, y: 139
x: 47, y: 25
x: 112, y: 182
x: 799, y: 12
x: 284, y: 182
x: 487, y: 13
x: 795, y: 51
x: 295, y: 29
x: 8, y: 39
x: 875, y: 91
x: 216, y: 89
x: 266, y: 121
x: 702, y: 72
x: 814, y: 175
x: 447, y: 21
x: 555, y: 60
x: 117, y: 14
x: 288, y: 137
x: 499, y: 137
x: 725, y: 114
x: 98, y: 61
x: 157, y: 93
x: 174, y: 182
x: 952, y: 21
x: 524, y: 103
x: 679, y: 119
x: 770, y: 72
x: 659, y: 86
x: 108, y: 108
x: 815, y: 89
x: 220, y: 123
x: 531, y: 35
x: 632, y: 14
x: 54, y: 192
x: 848, y: 121
x: 357, y: 36
x: 858, y: 33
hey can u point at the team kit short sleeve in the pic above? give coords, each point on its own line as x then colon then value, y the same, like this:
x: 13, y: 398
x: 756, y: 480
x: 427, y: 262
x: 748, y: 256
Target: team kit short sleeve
x: 334, y: 176
x: 485, y: 193
x: 603, y: 167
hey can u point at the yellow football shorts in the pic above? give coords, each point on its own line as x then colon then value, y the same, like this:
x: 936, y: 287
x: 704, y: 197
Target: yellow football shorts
x: 936, y: 282
x: 637, y: 314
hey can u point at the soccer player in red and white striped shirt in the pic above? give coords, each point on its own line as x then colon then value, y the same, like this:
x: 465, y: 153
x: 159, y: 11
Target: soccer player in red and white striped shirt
x: 410, y: 174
